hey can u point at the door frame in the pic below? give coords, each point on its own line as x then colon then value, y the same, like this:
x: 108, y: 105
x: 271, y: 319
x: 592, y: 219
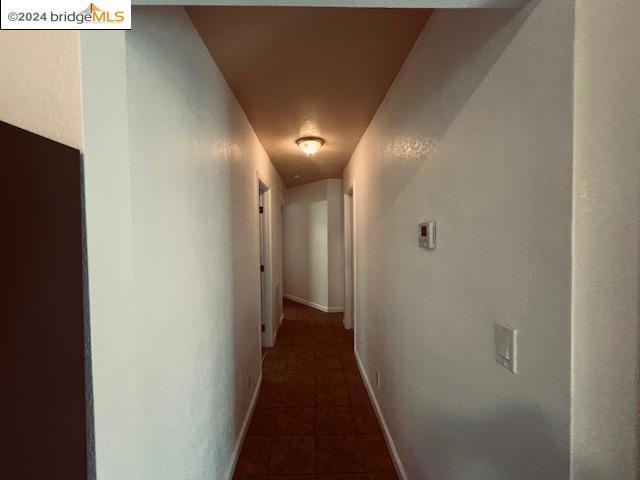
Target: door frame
x: 265, y: 257
x: 350, y: 259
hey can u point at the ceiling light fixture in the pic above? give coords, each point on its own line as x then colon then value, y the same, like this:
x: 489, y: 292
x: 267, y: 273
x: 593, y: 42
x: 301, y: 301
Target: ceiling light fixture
x: 310, y: 145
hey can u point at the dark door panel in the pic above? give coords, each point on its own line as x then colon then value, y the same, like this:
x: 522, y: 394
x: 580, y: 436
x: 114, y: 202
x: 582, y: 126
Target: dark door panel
x: 42, y: 339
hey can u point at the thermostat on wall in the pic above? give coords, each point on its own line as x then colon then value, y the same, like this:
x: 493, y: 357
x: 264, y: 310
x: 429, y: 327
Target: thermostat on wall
x: 427, y: 235
x: 506, y: 340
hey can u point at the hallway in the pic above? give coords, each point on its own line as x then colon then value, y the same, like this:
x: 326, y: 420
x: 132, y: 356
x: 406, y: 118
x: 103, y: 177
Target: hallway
x: 456, y: 183
x: 313, y: 418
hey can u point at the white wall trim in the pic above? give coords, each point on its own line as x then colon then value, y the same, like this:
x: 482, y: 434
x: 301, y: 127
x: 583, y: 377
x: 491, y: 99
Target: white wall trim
x: 317, y: 306
x: 349, y: 219
x: 275, y: 334
x: 245, y: 427
x: 397, y: 463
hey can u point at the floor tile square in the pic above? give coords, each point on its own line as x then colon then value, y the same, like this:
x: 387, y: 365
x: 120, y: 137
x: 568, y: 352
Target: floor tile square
x: 302, y: 362
x: 254, y: 456
x: 296, y: 421
x: 263, y: 421
x: 329, y: 377
x: 334, y: 420
x: 300, y: 377
x: 332, y: 395
x: 375, y: 454
x: 324, y: 331
x: 305, y: 330
x: 302, y: 340
x: 326, y: 349
x: 365, y: 420
x: 348, y: 360
x: 325, y: 340
x: 383, y: 476
x: 298, y: 396
x: 273, y: 378
x: 281, y: 349
x: 358, y: 395
x: 270, y: 396
x: 337, y: 454
x: 290, y: 477
x: 352, y: 376
x: 284, y: 340
x: 275, y: 361
x: 301, y: 350
x: 287, y: 328
x: 344, y: 476
x: 324, y: 362
x: 292, y: 454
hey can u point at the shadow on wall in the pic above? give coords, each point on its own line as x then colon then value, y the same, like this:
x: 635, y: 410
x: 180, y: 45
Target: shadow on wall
x: 450, y: 83
x: 522, y: 435
x: 452, y: 80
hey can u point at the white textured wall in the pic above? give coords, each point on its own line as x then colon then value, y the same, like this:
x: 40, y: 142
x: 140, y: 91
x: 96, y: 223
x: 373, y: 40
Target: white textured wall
x: 277, y: 242
x: 194, y: 190
x: 606, y: 249
x: 306, y: 256
x: 313, y: 255
x: 475, y: 133
x: 109, y: 251
x: 40, y: 86
x: 173, y: 251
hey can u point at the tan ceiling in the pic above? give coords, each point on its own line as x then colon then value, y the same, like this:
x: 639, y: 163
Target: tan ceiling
x: 300, y: 71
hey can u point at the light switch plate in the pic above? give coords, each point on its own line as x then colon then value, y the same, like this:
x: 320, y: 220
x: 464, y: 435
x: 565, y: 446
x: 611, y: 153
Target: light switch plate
x: 427, y: 235
x: 506, y: 342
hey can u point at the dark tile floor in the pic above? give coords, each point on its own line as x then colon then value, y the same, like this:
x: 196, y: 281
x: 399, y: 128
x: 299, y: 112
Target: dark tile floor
x: 313, y: 419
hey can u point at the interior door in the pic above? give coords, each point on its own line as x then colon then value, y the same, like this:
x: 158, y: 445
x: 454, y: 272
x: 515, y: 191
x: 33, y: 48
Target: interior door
x: 352, y: 248
x: 263, y: 255
x: 42, y: 344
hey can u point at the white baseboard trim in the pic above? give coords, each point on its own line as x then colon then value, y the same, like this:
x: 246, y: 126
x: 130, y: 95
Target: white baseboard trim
x: 385, y: 430
x: 245, y: 427
x: 317, y: 306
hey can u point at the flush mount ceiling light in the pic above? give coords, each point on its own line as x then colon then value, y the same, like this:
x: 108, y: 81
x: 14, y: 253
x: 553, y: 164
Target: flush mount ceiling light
x: 309, y: 145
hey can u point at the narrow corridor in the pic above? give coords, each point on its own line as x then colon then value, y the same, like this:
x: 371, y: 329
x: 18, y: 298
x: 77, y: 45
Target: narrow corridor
x: 313, y: 418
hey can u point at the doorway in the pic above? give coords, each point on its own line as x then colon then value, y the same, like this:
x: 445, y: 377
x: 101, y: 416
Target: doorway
x: 350, y: 261
x: 265, y: 266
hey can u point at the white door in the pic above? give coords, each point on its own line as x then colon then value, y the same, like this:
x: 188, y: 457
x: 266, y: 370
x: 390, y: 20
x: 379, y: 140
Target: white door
x: 349, y: 216
x: 263, y: 256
